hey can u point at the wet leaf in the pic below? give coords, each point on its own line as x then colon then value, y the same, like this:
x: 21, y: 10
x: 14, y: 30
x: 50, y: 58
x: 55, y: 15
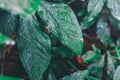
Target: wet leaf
x: 34, y: 47
x: 97, y: 67
x: 79, y: 75
x: 103, y: 31
x: 114, y: 22
x: 22, y: 7
x: 114, y: 6
x: 63, y: 24
x: 116, y: 76
x: 7, y: 26
x: 92, y: 78
x: 90, y: 56
x: 94, y: 8
x: 110, y: 65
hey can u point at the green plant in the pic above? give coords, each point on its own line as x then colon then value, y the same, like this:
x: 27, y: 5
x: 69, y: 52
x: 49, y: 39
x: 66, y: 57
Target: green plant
x: 49, y: 40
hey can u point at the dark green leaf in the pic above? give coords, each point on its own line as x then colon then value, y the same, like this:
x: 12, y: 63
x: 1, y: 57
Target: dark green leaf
x: 110, y: 65
x: 103, y: 31
x: 9, y: 78
x: 114, y: 22
x: 94, y: 8
x: 63, y: 24
x: 90, y: 56
x: 34, y: 47
x: 7, y: 26
x: 114, y: 6
x: 117, y: 74
x: 51, y: 75
x: 96, y: 68
x: 63, y: 51
x: 23, y: 7
x: 79, y: 75
x: 92, y: 78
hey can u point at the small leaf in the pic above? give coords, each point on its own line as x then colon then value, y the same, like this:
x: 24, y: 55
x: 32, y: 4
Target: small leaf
x: 22, y: 7
x: 114, y: 22
x: 103, y: 31
x: 92, y: 78
x: 79, y: 75
x: 97, y: 67
x: 90, y: 56
x: 63, y: 24
x: 94, y: 8
x: 114, y: 6
x: 9, y: 78
x: 118, y: 42
x: 5, y: 40
x: 110, y: 65
x: 34, y: 47
x: 116, y: 76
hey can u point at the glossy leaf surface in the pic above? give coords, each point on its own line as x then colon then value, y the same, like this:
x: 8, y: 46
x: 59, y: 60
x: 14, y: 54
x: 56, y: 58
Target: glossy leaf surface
x: 79, y: 75
x: 63, y: 24
x: 34, y: 47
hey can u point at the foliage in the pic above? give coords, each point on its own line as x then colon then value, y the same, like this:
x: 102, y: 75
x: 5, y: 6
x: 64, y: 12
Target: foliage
x: 61, y: 39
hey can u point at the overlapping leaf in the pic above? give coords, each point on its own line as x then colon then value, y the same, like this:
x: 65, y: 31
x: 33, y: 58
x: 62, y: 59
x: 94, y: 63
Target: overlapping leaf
x: 34, y: 47
x: 114, y: 6
x: 63, y: 24
x: 117, y: 74
x: 7, y: 26
x: 79, y: 75
x: 23, y: 7
x: 94, y: 8
x: 103, y: 31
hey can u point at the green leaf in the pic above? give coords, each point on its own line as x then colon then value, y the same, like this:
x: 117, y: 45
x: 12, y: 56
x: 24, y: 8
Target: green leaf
x: 9, y: 78
x: 51, y: 75
x: 7, y: 26
x: 116, y: 76
x: 114, y: 6
x: 110, y: 65
x: 63, y: 24
x: 103, y: 31
x: 63, y: 51
x: 114, y: 22
x: 92, y: 78
x: 5, y: 40
x: 34, y: 47
x: 79, y: 75
x: 96, y: 68
x: 118, y: 42
x: 94, y: 8
x: 22, y: 7
x: 90, y: 56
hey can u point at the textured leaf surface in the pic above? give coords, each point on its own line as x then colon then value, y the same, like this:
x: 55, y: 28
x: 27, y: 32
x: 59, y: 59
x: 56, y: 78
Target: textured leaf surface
x: 114, y: 6
x: 96, y: 68
x: 92, y: 78
x: 63, y: 24
x: 34, y: 47
x: 94, y: 8
x: 7, y: 26
x: 110, y: 65
x: 90, y: 56
x: 79, y: 75
x: 103, y: 31
x: 23, y: 7
x: 117, y: 74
